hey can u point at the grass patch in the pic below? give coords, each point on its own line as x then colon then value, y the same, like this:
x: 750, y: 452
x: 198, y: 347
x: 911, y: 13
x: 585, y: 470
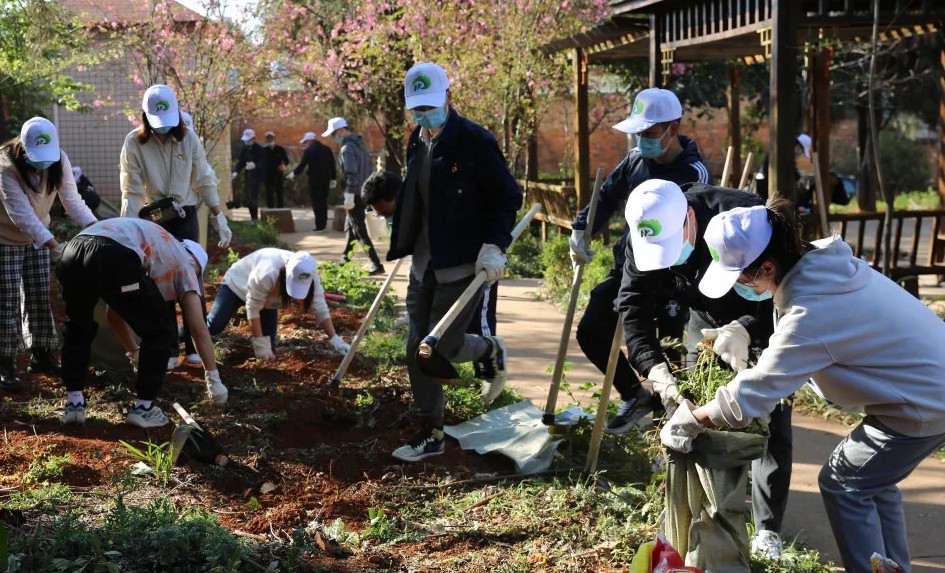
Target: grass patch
x: 262, y: 234
x: 908, y: 201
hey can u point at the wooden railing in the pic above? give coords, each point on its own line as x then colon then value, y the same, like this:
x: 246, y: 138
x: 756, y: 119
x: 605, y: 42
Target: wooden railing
x: 558, y: 203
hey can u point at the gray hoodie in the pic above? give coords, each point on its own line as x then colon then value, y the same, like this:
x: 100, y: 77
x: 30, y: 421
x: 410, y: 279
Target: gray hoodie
x: 864, y: 340
x: 355, y: 164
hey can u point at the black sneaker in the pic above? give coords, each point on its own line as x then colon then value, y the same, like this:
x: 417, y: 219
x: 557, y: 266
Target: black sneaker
x: 8, y: 378
x: 43, y: 362
x: 491, y: 368
x: 428, y: 442
x: 379, y: 270
x: 630, y: 413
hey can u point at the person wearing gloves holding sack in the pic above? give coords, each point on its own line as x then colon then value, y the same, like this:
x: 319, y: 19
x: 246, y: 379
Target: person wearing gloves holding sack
x: 33, y: 172
x: 251, y: 159
x: 320, y: 162
x: 454, y: 215
x: 888, y: 360
x: 161, y: 160
x: 660, y: 152
x: 355, y: 169
x: 665, y: 258
x: 263, y: 281
x: 136, y: 267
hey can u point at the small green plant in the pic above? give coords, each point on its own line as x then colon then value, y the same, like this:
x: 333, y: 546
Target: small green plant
x: 379, y: 526
x: 364, y: 400
x: 386, y: 350
x: 50, y: 493
x: 253, y: 504
x: 46, y: 468
x: 158, y: 457
x: 340, y: 533
x: 232, y: 256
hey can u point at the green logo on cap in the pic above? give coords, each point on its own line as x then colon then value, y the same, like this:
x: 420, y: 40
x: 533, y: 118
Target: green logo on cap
x: 42, y: 139
x: 304, y: 276
x: 649, y: 228
x: 421, y: 82
x: 637, y: 107
x: 714, y: 253
x: 162, y: 105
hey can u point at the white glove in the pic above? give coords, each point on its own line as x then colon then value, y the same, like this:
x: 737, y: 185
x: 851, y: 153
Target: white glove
x: 730, y: 343
x: 664, y: 384
x: 223, y: 229
x: 681, y: 429
x: 262, y: 348
x: 250, y: 165
x: 492, y: 261
x: 133, y: 358
x: 215, y: 388
x: 580, y: 252
x: 339, y: 345
x: 290, y: 175
x: 349, y: 201
x: 332, y: 184
x: 233, y: 175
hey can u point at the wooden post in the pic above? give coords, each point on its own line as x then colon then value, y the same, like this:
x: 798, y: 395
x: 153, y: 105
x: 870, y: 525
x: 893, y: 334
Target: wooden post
x: 727, y: 168
x: 820, y: 112
x: 938, y: 242
x: 656, y: 66
x: 531, y: 161
x: 735, y: 116
x: 582, y: 146
x: 784, y: 98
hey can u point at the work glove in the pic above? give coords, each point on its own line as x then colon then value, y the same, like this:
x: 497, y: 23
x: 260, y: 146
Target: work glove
x: 730, y: 342
x: 223, y: 229
x: 681, y: 429
x: 349, y: 201
x: 290, y: 175
x: 664, y: 384
x: 262, y: 348
x: 133, y: 358
x: 581, y: 254
x: 233, y: 175
x: 339, y: 345
x: 332, y: 184
x: 492, y: 261
x: 215, y: 388
x: 250, y: 165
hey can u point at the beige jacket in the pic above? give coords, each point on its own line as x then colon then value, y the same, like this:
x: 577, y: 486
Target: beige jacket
x: 24, y: 216
x: 154, y: 170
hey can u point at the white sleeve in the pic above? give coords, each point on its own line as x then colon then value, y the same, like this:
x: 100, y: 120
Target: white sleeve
x: 203, y: 179
x: 20, y: 210
x: 133, y: 196
x: 71, y: 200
x: 258, y: 287
x: 319, y: 305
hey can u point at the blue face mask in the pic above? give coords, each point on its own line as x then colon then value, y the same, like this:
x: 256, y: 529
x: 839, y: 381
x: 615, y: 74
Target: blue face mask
x: 163, y: 130
x: 39, y: 165
x: 651, y: 147
x: 338, y: 139
x: 748, y: 293
x: 687, y: 250
x: 431, y: 119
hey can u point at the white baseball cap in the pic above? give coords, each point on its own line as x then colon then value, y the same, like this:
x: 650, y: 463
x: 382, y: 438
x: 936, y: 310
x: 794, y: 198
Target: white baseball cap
x: 270, y: 134
x: 651, y: 106
x: 40, y: 140
x: 425, y: 84
x: 188, y: 120
x: 76, y: 172
x: 805, y: 142
x: 309, y: 136
x: 194, y: 248
x: 248, y: 134
x: 160, y: 106
x: 656, y: 212
x: 735, y: 238
x: 334, y: 124
x: 299, y: 274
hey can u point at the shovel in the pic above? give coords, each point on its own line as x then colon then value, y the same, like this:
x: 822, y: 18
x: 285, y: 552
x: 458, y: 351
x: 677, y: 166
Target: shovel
x: 191, y: 442
x: 548, y: 418
x: 362, y: 330
x: 431, y: 362
x: 598, y: 433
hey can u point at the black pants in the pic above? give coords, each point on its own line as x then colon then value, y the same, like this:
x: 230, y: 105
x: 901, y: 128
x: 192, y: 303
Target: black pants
x: 186, y: 228
x: 597, y: 326
x: 251, y: 195
x: 274, y: 190
x: 356, y: 230
x: 318, y: 193
x: 97, y: 267
x: 771, y: 474
x: 484, y: 321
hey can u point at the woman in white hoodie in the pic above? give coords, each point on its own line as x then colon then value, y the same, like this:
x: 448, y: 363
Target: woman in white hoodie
x: 263, y: 281
x: 861, y: 338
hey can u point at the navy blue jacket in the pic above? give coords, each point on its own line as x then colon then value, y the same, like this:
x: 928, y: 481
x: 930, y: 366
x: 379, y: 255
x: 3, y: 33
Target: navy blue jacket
x: 252, y: 152
x: 687, y: 167
x: 320, y: 161
x: 473, y: 196
x: 640, y: 292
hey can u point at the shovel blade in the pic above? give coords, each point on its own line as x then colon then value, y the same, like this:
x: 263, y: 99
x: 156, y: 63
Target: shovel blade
x: 435, y: 365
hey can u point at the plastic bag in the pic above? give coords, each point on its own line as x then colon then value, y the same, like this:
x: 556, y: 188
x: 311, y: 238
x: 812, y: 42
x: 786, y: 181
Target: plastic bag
x: 658, y: 557
x: 883, y: 565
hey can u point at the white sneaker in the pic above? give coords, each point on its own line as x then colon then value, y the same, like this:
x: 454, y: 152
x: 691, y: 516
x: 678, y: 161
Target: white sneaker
x: 193, y: 360
x: 217, y: 393
x: 767, y: 544
x: 173, y: 362
x: 73, y: 414
x: 143, y: 417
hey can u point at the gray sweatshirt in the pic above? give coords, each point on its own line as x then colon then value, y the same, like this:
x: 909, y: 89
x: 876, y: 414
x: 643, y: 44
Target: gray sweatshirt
x: 864, y: 340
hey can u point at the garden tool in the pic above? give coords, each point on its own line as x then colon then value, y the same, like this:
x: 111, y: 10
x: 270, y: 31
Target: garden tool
x: 432, y: 362
x: 356, y: 341
x: 549, y: 417
x: 601, y: 418
x: 191, y: 442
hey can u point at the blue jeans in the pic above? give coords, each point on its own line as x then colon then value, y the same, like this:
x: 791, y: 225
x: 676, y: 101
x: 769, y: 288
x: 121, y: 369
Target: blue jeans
x: 863, y: 502
x: 224, y: 308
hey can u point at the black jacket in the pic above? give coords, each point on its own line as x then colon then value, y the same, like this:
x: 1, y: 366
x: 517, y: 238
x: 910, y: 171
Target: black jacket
x: 473, y: 196
x: 320, y: 162
x: 640, y: 291
x: 273, y: 157
x: 252, y: 152
x: 687, y: 167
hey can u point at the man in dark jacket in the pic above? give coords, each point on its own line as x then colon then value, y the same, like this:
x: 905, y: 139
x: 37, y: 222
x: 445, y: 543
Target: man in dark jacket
x: 251, y: 158
x: 454, y: 215
x: 320, y: 162
x: 355, y: 169
x: 274, y: 161
x: 660, y: 153
x: 86, y: 189
x: 666, y: 254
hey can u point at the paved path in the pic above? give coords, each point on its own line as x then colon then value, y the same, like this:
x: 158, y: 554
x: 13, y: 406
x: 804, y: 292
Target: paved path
x: 532, y: 328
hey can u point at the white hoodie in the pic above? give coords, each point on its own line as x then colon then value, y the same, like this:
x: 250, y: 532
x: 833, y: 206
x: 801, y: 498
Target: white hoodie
x: 255, y: 279
x: 863, y: 339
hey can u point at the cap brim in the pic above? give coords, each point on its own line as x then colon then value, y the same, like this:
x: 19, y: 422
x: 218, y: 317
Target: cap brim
x: 298, y: 289
x: 425, y: 99
x: 649, y: 256
x: 163, y: 119
x: 633, y: 125
x: 718, y: 280
x: 307, y: 139
x: 44, y: 153
x: 329, y: 132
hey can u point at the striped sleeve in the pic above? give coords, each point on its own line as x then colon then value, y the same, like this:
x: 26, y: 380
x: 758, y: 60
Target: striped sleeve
x: 702, y: 172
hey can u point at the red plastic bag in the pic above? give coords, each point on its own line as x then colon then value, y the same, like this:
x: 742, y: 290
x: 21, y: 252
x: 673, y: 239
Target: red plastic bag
x: 883, y: 565
x: 665, y: 558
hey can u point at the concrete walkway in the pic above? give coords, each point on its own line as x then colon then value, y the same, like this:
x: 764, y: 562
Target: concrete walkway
x: 532, y: 328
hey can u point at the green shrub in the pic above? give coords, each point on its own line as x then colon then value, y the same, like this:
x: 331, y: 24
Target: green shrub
x: 905, y: 163
x: 260, y: 235
x: 525, y: 257
x: 556, y: 261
